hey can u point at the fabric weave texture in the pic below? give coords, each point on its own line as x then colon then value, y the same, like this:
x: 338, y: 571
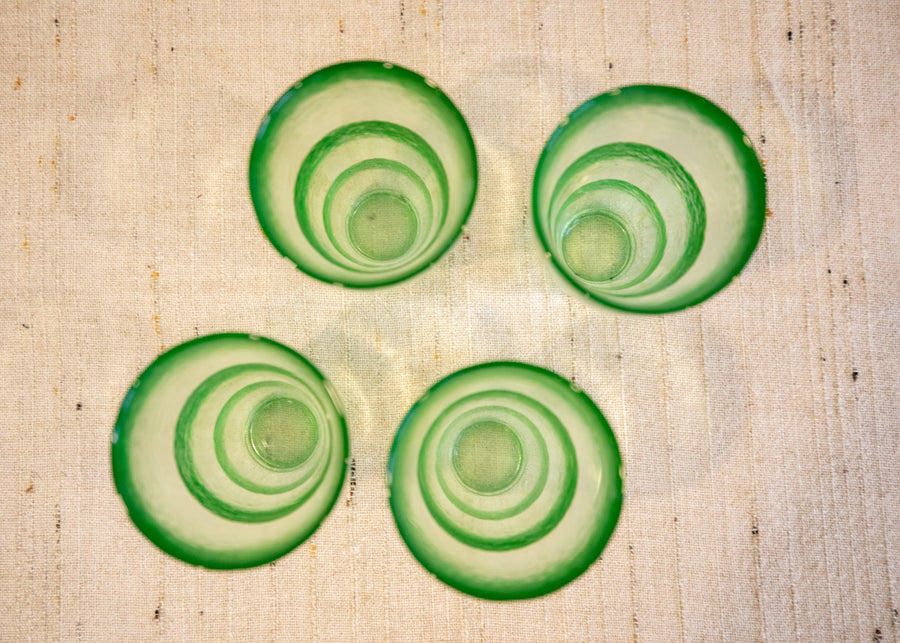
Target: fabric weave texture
x: 759, y: 429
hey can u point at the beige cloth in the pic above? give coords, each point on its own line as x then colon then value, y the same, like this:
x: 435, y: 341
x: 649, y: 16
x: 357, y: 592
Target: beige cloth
x: 759, y: 429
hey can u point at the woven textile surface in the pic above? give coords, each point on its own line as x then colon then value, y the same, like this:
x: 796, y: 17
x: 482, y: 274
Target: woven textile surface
x: 759, y: 430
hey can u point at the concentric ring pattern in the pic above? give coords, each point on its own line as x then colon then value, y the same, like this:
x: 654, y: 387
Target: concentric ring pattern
x: 649, y: 198
x: 229, y: 450
x: 505, y: 481
x: 363, y: 173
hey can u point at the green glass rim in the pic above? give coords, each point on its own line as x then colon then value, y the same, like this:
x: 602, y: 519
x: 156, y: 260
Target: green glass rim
x: 744, y: 152
x: 144, y: 519
x: 319, y: 80
x: 605, y: 522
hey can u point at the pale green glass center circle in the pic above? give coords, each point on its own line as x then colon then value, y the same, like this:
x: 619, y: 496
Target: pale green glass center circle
x: 283, y: 433
x: 596, y: 247
x: 383, y: 225
x: 487, y: 456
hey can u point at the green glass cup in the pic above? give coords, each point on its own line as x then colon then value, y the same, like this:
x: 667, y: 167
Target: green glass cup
x: 505, y: 481
x: 649, y: 199
x: 363, y: 174
x: 229, y: 450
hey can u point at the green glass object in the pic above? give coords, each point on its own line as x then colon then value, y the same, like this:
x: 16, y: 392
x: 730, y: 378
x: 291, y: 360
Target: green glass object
x: 229, y: 450
x: 649, y: 198
x: 363, y: 174
x: 505, y: 481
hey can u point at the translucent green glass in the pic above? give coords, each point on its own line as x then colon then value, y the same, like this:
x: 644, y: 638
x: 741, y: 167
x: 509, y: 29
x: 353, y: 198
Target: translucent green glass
x: 649, y: 199
x: 505, y: 481
x: 363, y: 174
x: 229, y: 450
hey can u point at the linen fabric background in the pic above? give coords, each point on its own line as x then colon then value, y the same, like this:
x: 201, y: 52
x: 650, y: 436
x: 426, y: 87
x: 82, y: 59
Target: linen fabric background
x: 759, y: 430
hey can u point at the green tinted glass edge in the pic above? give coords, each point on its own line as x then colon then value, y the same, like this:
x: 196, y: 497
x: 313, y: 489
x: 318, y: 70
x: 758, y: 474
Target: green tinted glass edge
x: 578, y: 565
x: 756, y: 193
x: 143, y: 520
x: 321, y: 79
